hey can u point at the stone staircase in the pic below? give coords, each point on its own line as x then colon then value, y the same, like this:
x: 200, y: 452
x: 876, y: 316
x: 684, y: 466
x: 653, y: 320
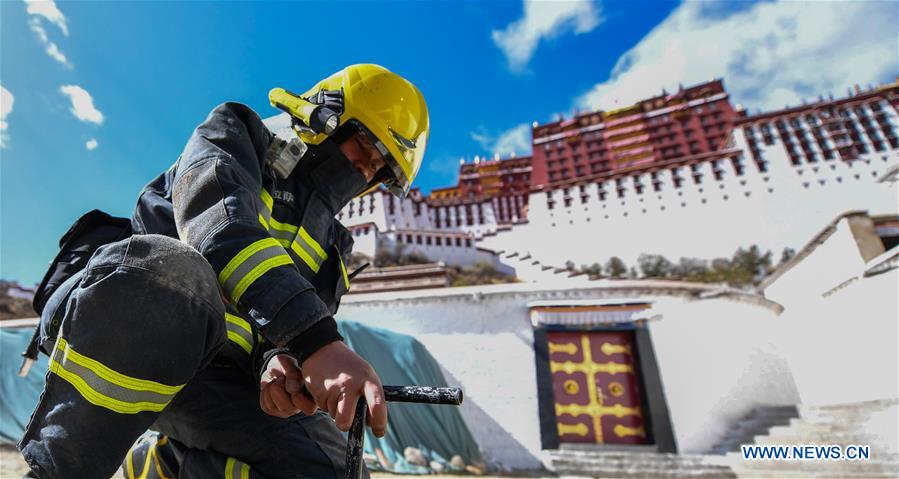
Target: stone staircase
x: 757, y: 423
x: 528, y: 268
x: 637, y: 464
x: 872, y: 423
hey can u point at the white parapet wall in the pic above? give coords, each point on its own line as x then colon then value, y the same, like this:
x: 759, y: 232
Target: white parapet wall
x: 716, y: 355
x: 840, y: 326
x: 738, y: 206
x: 719, y: 359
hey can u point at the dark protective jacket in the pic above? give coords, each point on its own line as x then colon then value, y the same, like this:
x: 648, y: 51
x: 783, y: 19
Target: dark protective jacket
x: 274, y: 243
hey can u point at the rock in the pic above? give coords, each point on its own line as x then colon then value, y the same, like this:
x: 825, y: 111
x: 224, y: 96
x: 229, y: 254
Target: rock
x: 457, y: 462
x: 477, y: 471
x: 437, y: 467
x: 415, y: 457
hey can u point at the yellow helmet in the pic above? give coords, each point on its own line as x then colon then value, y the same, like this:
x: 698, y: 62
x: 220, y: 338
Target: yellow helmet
x: 387, y: 107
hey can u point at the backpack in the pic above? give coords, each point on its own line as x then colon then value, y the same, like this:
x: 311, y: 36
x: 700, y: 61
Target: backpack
x: 93, y: 230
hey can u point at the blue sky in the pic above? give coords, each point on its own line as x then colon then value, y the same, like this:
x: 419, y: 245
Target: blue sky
x: 98, y: 98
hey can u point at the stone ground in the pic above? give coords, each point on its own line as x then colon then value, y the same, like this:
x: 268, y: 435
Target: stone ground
x: 12, y: 466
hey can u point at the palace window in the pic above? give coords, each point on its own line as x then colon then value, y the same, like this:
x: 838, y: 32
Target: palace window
x: 675, y: 176
x: 737, y: 163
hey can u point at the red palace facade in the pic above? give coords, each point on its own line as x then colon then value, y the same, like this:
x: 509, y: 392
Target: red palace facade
x: 826, y: 130
x: 692, y: 121
x: 505, y: 183
x: 688, y: 128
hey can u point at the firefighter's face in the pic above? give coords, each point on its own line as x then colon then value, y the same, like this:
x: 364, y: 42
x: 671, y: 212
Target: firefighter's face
x: 363, y: 154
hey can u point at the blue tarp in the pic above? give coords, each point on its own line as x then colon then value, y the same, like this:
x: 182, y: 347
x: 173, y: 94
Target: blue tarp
x: 438, y: 431
x: 18, y: 396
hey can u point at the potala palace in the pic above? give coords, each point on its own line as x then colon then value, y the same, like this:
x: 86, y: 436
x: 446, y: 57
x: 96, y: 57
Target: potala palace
x: 681, y: 175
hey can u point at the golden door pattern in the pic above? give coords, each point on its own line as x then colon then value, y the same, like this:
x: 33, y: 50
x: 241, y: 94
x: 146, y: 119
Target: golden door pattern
x: 596, y: 387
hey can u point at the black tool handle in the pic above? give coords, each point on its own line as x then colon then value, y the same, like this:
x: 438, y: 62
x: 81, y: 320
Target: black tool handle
x: 414, y: 394
x: 423, y: 394
x: 356, y: 441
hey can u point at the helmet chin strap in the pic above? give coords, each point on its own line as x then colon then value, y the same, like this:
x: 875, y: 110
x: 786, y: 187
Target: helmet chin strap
x: 331, y: 174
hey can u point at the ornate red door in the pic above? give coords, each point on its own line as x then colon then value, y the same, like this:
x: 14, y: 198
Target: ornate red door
x: 596, y: 387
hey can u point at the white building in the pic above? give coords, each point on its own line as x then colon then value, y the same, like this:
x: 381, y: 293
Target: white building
x: 763, y: 190
x: 701, y: 358
x: 783, y: 174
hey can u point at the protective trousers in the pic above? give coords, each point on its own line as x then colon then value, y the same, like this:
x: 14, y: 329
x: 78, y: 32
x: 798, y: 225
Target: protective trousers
x: 139, y: 345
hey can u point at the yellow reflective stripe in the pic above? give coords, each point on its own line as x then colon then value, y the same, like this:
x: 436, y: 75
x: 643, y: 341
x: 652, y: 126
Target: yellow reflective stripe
x: 267, y: 199
x: 245, y: 253
x: 115, y: 377
x: 129, y: 466
x: 146, y: 469
x: 283, y: 226
x: 229, y: 468
x: 95, y: 382
x: 258, y: 271
x: 156, y: 462
x: 283, y: 236
x: 303, y: 244
x: 239, y: 322
x: 314, y: 244
x: 251, y: 263
x: 306, y: 257
x: 346, y: 279
x: 235, y: 469
x: 152, y: 456
x: 240, y: 341
x: 239, y: 332
x: 98, y: 399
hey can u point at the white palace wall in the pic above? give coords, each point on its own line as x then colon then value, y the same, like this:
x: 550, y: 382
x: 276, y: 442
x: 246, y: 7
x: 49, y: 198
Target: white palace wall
x: 719, y: 359
x: 715, y: 356
x: 840, y: 324
x: 777, y: 208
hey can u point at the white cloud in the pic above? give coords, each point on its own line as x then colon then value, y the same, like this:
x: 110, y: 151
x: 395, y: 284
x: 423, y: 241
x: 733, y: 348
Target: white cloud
x: 769, y: 54
x: 48, y: 10
x: 91, y: 144
x: 6, y: 102
x: 544, y: 19
x: 82, y: 104
x: 515, y: 140
x: 57, y: 55
x: 38, y: 28
x: 52, y: 49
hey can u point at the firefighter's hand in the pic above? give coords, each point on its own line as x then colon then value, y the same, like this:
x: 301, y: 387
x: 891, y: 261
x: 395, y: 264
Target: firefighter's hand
x: 337, y: 377
x: 280, y: 389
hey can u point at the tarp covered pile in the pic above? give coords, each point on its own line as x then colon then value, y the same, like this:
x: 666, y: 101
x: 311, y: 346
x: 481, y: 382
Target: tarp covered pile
x: 420, y: 438
x: 18, y: 396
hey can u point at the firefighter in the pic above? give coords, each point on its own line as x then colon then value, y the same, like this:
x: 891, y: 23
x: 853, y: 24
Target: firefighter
x: 213, y: 322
